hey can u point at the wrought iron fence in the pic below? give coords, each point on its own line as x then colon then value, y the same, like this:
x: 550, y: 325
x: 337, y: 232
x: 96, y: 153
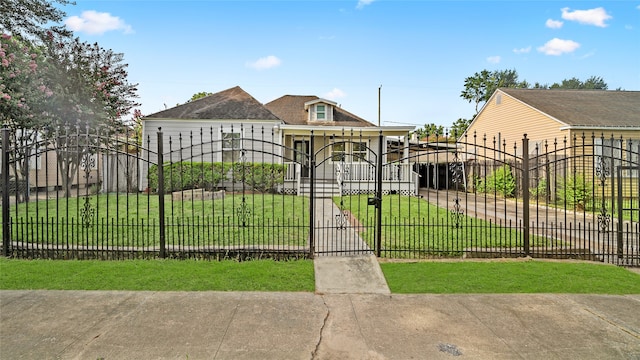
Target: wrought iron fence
x: 246, y: 192
x: 205, y: 195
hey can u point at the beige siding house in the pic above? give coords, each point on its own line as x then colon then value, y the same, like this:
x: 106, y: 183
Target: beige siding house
x: 556, y: 115
x: 584, y: 127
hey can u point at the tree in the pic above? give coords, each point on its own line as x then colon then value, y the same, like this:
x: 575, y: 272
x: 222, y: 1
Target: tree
x: 90, y: 96
x: 593, y: 83
x: 459, y: 127
x: 21, y: 93
x: 476, y: 88
x: 431, y: 132
x: 479, y: 87
x: 30, y: 18
x: 199, y: 95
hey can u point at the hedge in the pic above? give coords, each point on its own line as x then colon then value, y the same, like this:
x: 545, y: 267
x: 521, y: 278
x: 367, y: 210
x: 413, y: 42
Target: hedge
x: 180, y: 176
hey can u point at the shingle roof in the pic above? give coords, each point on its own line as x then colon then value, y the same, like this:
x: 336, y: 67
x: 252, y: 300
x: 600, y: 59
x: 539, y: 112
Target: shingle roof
x: 232, y: 104
x: 290, y: 108
x: 594, y: 108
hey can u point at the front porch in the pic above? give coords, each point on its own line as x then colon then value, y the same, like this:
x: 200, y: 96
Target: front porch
x: 352, y: 178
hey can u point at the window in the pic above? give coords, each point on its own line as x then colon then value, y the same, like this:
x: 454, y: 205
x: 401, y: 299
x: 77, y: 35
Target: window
x: 230, y: 147
x: 337, y: 152
x: 359, y: 152
x: 321, y: 112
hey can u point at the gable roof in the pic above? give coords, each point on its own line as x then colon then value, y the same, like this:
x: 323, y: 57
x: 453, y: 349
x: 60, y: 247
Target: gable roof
x: 232, y: 104
x: 583, y: 108
x: 291, y: 109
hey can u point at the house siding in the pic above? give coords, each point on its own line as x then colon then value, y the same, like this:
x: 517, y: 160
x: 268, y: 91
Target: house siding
x: 260, y: 141
x: 508, y: 121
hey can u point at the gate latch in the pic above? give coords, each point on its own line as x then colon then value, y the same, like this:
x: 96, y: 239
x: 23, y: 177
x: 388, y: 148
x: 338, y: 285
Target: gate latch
x: 375, y: 201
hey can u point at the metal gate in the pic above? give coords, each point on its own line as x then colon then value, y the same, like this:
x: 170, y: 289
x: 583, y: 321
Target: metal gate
x: 627, y: 210
x: 345, y: 193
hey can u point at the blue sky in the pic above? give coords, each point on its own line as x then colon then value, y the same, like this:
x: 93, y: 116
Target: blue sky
x: 420, y: 52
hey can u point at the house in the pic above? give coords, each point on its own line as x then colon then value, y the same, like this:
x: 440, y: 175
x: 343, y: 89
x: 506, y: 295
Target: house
x: 307, y: 134
x: 586, y: 125
x: 551, y: 115
x: 345, y: 145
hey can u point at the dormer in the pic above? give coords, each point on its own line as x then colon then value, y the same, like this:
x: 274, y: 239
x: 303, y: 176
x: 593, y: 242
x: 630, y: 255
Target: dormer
x: 320, y: 110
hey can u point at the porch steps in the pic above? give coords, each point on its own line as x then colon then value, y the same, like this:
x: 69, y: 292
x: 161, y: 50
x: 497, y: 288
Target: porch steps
x: 322, y: 189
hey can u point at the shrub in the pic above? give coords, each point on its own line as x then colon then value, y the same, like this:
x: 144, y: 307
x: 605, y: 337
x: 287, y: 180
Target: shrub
x: 539, y: 191
x: 501, y: 181
x: 261, y: 177
x: 179, y: 176
x: 189, y: 175
x: 575, y: 191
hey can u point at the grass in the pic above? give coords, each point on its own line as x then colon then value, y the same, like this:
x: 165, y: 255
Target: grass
x: 266, y: 275
x: 412, y: 227
x: 157, y: 275
x: 133, y: 220
x: 509, y: 277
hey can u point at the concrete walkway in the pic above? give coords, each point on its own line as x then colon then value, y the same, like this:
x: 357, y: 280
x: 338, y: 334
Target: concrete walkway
x: 218, y: 325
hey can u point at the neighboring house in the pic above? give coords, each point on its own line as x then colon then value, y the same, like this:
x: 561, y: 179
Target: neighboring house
x: 232, y: 123
x: 44, y: 173
x: 589, y: 124
x: 556, y: 115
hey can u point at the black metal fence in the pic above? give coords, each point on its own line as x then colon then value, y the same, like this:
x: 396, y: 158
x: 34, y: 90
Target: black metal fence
x: 204, y: 195
x: 251, y: 193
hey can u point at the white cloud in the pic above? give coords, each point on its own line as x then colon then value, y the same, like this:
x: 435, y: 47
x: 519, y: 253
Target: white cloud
x: 558, y: 47
x: 493, y: 59
x: 522, y: 50
x: 553, y: 24
x: 596, y: 17
x: 334, y: 94
x: 265, y: 63
x: 97, y: 23
x: 363, y: 3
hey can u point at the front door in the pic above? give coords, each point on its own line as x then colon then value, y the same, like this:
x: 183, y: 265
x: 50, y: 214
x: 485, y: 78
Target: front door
x: 301, y: 156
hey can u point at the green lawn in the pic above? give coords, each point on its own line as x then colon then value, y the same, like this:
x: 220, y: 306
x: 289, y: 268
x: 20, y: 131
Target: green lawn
x: 133, y: 220
x: 460, y: 277
x: 414, y: 228
x: 157, y: 275
x: 509, y: 277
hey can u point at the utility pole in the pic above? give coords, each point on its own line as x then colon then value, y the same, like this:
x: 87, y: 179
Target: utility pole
x: 379, y: 91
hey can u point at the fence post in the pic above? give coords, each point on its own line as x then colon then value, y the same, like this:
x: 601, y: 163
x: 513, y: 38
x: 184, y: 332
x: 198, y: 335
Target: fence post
x: 620, y: 219
x: 161, y: 193
x: 379, y: 197
x: 312, y: 202
x: 5, y: 193
x: 525, y: 193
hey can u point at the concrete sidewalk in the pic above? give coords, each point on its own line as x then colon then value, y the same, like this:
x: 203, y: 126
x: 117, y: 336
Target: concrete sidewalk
x: 218, y: 325
x: 352, y: 315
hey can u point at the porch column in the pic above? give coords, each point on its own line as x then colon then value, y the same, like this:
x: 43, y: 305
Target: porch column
x: 405, y: 154
x: 277, y: 138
